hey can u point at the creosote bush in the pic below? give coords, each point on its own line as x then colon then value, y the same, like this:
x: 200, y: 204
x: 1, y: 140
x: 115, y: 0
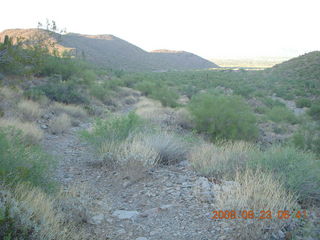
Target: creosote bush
x: 223, y: 117
x: 282, y: 114
x: 114, y: 129
x: 22, y: 163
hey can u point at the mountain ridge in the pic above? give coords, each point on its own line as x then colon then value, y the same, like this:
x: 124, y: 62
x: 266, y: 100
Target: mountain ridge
x: 107, y: 50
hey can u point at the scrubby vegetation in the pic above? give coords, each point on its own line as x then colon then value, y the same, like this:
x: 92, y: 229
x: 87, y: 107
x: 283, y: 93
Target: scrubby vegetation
x: 259, y: 130
x: 22, y: 162
x: 223, y: 117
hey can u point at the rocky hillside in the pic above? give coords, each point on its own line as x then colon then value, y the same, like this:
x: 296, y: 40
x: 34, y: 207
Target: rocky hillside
x: 305, y: 67
x: 113, y: 52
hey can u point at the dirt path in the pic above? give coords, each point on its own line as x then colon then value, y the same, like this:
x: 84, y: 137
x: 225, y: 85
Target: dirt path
x: 165, y: 204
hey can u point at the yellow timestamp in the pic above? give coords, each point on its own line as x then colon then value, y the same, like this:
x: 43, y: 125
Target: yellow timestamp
x: 263, y: 214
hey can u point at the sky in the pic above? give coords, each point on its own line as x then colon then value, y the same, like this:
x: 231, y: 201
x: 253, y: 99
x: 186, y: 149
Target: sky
x: 209, y: 28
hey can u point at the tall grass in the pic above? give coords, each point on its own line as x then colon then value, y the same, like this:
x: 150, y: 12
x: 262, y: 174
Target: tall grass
x: 299, y: 170
x: 220, y: 160
x: 257, y: 191
x: 29, y: 132
x: 28, y: 213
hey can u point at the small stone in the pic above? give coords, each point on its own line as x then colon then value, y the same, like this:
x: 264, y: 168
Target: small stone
x: 96, y: 220
x: 281, y: 235
x: 141, y: 238
x: 203, y: 190
x: 121, y: 231
x: 43, y: 126
x: 122, y: 214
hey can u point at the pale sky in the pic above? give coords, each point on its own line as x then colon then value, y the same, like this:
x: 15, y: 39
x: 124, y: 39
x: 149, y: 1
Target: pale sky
x: 209, y: 28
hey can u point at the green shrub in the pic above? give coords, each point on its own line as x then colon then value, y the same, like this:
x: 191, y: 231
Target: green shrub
x: 298, y: 170
x: 34, y: 94
x: 21, y: 162
x: 314, y: 111
x: 261, y: 109
x: 269, y: 102
x: 282, y: 114
x: 303, y: 102
x: 113, y: 129
x: 166, y: 96
x: 224, y: 117
x: 146, y: 87
x: 63, y: 92
x: 308, y: 137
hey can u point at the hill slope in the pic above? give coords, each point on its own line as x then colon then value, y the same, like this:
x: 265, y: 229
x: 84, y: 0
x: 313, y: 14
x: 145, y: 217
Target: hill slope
x: 305, y: 67
x: 110, y: 51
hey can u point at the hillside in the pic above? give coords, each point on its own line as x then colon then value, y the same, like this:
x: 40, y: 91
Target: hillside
x: 304, y: 67
x: 112, y: 52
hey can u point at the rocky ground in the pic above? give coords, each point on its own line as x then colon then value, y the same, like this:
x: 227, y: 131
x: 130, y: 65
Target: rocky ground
x: 168, y: 203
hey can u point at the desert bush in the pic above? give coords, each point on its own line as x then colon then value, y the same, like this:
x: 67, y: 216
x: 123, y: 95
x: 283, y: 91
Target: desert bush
x: 314, y: 111
x: 146, y: 87
x: 30, y: 110
x: 257, y: 191
x: 115, y: 129
x: 37, y: 95
x: 303, y: 102
x: 28, y: 213
x: 30, y: 133
x: 22, y: 162
x: 298, y: 170
x: 166, y: 96
x: 74, y: 111
x: 183, y: 118
x: 269, y: 102
x: 221, y: 160
x: 60, y: 124
x: 223, y: 117
x: 282, y: 114
x: 64, y: 92
x: 308, y: 137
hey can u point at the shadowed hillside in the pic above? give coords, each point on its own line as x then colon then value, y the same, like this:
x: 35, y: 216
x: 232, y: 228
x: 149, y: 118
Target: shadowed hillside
x: 112, y: 52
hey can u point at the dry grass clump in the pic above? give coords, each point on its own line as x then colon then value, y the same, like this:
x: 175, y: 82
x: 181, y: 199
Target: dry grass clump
x: 72, y: 110
x: 10, y: 94
x: 257, y: 191
x: 60, y: 124
x: 183, y: 118
x: 224, y: 159
x: 171, y: 148
x: 145, y: 148
x: 30, y: 214
x: 30, y: 110
x: 30, y: 132
x: 133, y: 149
x: 132, y: 156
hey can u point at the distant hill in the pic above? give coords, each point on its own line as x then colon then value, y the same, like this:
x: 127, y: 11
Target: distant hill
x: 113, y: 52
x: 305, y: 67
